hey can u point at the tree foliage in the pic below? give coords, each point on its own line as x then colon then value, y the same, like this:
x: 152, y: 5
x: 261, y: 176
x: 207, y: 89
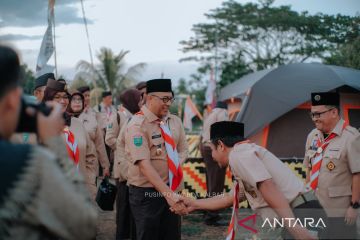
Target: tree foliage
x: 111, y: 72
x: 28, y: 83
x: 240, y: 38
x: 348, y: 55
x: 269, y: 36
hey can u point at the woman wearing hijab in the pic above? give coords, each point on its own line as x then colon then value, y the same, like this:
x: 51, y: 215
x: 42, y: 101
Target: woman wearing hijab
x: 125, y: 227
x: 78, y: 144
x: 91, y: 121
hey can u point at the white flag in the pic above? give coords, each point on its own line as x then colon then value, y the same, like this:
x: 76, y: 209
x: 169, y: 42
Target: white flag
x: 210, y: 91
x: 47, y: 44
x: 190, y: 111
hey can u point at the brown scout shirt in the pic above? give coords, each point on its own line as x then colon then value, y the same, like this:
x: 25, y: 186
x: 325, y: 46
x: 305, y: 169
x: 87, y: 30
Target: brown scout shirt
x: 341, y: 159
x: 251, y: 164
x: 91, y: 121
x: 87, y: 153
x: 113, y: 128
x: 121, y: 158
x: 217, y: 115
x: 105, y: 116
x: 143, y: 138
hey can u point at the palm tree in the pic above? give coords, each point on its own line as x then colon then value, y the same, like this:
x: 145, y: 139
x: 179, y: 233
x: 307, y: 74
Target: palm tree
x: 111, y: 73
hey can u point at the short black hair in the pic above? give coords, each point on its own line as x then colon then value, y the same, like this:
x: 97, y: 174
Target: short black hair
x: 10, y: 70
x: 228, y: 141
x: 333, y: 106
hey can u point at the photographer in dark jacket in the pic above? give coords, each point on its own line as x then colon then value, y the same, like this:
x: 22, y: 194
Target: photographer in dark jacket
x: 37, y: 200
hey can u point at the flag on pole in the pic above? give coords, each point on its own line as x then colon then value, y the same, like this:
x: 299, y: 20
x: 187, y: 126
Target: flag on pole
x: 47, y: 44
x: 210, y: 91
x: 190, y: 111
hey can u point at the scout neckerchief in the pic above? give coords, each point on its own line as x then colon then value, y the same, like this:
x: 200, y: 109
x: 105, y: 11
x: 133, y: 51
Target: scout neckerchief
x: 175, y: 171
x: 233, y: 222
x: 71, y: 145
x: 317, y: 160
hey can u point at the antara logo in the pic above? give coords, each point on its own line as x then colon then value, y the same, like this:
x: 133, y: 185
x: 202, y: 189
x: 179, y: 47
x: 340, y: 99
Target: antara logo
x: 292, y: 222
x: 253, y: 224
x: 283, y: 222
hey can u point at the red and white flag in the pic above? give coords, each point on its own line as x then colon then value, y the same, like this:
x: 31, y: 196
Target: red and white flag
x: 190, y: 111
x: 47, y: 44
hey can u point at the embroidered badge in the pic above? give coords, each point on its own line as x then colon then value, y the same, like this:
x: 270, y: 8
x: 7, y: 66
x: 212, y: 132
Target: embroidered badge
x: 138, y: 140
x: 317, y: 98
x: 158, y: 151
x: 330, y: 166
x: 110, y: 126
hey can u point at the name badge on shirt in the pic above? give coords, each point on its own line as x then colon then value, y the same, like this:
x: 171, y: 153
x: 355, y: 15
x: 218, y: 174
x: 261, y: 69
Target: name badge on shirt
x: 156, y: 136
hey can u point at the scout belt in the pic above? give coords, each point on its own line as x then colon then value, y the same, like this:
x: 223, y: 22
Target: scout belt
x: 303, y: 198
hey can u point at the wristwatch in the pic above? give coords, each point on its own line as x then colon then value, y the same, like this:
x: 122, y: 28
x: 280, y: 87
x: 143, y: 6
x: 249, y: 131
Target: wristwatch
x: 355, y: 205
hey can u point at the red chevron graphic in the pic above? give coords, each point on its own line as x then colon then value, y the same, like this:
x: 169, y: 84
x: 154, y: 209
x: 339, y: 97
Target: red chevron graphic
x: 195, y: 176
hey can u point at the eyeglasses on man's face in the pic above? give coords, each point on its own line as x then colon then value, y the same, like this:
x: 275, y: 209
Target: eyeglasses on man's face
x: 164, y: 99
x: 318, y: 114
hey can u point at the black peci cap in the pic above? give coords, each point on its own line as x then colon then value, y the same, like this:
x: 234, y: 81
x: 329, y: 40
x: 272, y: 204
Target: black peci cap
x: 325, y: 98
x: 226, y: 129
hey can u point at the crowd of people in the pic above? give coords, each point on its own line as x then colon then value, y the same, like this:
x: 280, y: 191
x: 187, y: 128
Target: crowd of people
x: 49, y: 171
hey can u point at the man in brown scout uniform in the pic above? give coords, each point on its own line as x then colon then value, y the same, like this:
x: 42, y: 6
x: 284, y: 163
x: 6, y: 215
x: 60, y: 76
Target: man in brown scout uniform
x: 40, y: 85
x: 156, y: 144
x: 270, y: 187
x: 332, y: 158
x: 37, y: 198
x: 215, y: 175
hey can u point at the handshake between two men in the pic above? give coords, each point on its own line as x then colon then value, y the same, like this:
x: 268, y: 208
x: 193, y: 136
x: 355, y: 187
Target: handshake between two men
x: 183, y: 205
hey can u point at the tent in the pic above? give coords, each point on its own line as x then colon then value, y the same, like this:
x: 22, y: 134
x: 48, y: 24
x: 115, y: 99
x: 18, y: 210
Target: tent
x: 275, y: 102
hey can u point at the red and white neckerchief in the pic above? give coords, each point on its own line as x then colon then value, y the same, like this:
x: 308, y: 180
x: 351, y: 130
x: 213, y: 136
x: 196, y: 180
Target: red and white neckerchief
x: 71, y: 145
x: 175, y: 171
x: 234, y: 218
x: 317, y: 160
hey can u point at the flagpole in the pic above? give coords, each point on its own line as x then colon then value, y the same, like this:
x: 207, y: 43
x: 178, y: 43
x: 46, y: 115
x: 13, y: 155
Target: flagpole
x: 90, y: 51
x: 55, y: 58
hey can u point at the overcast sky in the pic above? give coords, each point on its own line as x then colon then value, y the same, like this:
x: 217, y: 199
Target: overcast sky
x: 150, y: 29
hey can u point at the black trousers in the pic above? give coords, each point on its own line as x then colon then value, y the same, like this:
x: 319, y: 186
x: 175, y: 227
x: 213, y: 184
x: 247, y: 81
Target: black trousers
x: 125, y: 225
x: 153, y: 218
x: 311, y: 209
x: 215, y: 176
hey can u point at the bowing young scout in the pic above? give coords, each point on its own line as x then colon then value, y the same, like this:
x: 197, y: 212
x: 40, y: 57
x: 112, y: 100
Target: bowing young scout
x: 332, y: 157
x: 156, y: 144
x: 270, y: 187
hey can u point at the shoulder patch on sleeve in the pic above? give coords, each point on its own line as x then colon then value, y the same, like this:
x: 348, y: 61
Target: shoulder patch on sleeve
x: 352, y: 130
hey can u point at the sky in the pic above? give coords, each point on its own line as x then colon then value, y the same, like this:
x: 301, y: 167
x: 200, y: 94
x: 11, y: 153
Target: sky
x: 150, y: 29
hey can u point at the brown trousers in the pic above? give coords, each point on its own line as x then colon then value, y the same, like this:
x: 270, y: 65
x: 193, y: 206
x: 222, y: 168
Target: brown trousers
x: 215, y: 175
